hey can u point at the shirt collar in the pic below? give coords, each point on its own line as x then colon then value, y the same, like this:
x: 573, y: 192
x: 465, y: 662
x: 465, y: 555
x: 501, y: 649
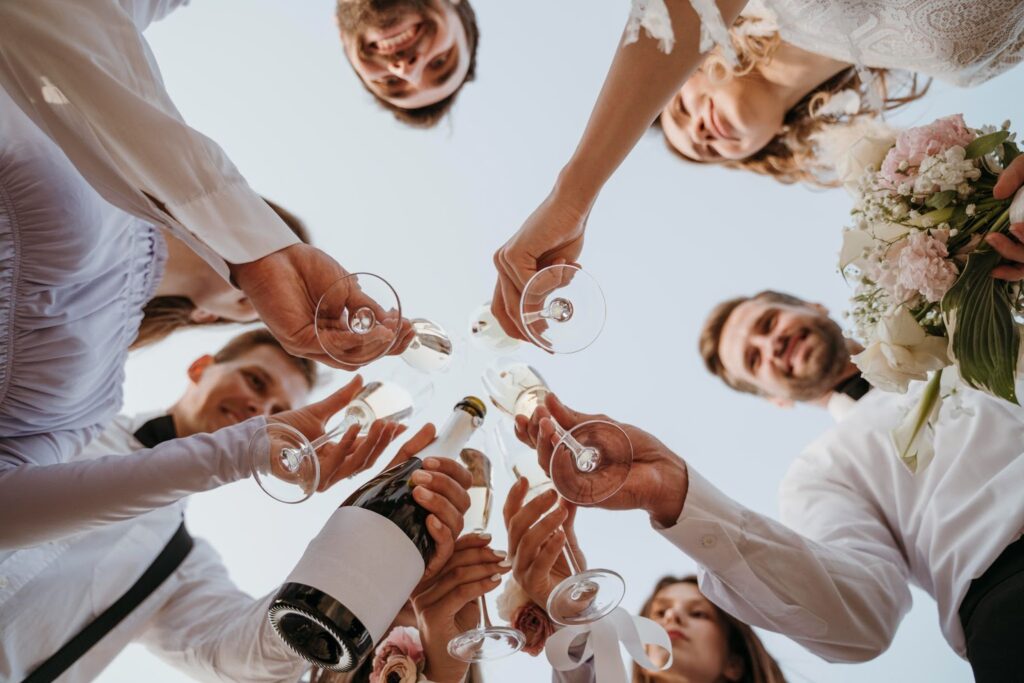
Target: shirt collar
x: 156, y: 431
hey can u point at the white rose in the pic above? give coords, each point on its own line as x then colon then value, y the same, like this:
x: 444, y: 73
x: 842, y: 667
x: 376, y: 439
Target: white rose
x: 902, y: 352
x: 855, y: 244
x: 855, y: 147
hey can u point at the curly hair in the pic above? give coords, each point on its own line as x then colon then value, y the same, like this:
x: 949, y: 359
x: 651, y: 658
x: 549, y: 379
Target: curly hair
x: 792, y: 155
x: 758, y: 665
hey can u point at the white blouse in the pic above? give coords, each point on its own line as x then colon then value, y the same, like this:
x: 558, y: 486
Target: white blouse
x: 964, y: 42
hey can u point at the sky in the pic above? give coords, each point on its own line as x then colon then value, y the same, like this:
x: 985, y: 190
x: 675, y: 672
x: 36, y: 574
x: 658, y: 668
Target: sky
x: 427, y: 209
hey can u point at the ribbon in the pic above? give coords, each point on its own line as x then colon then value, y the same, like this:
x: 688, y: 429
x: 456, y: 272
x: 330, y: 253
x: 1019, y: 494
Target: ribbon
x: 602, y: 643
x: 1017, y: 207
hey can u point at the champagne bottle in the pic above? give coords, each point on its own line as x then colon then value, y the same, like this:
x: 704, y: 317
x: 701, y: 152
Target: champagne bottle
x: 356, y: 575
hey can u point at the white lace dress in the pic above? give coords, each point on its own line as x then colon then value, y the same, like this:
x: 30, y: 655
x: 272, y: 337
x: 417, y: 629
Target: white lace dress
x: 964, y: 42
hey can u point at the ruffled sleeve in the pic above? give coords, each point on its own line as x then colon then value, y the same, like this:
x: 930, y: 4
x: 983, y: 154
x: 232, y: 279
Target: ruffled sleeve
x: 653, y: 17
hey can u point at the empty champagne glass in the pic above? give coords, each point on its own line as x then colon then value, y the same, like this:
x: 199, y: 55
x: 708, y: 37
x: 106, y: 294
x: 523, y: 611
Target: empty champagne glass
x: 358, y: 319
x: 562, y: 310
x: 283, y: 461
x: 487, y: 642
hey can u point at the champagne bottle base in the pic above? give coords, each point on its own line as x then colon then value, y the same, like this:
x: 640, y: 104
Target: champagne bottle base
x: 311, y: 634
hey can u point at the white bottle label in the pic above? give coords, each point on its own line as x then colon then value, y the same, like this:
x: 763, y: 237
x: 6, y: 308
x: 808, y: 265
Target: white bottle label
x: 365, y: 562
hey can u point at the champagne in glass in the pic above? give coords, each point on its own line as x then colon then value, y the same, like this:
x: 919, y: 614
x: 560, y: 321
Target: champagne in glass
x: 431, y: 349
x: 515, y: 388
x: 487, y: 642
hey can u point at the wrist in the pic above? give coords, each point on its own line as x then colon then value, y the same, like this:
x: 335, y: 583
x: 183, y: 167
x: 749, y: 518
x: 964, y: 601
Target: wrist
x: 577, y: 187
x: 666, y: 504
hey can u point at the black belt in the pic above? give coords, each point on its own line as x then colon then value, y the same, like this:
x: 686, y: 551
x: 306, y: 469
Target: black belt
x: 169, y: 559
x: 1009, y: 563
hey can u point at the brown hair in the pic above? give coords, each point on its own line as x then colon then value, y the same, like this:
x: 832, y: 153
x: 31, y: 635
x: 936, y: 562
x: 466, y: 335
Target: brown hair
x: 711, y: 334
x: 431, y: 114
x: 792, y: 156
x: 758, y: 665
x: 242, y: 344
x: 162, y: 315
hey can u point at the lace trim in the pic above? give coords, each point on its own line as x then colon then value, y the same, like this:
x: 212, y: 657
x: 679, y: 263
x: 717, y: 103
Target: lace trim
x: 653, y: 17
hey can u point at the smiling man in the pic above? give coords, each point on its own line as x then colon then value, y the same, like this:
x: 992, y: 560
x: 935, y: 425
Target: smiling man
x: 412, y: 55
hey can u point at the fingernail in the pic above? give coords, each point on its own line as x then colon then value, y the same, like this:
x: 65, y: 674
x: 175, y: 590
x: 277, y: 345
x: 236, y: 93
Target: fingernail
x: 431, y: 463
x: 499, y: 553
x: 505, y: 563
x: 424, y: 493
x: 421, y: 478
x: 496, y: 577
x: 484, y: 535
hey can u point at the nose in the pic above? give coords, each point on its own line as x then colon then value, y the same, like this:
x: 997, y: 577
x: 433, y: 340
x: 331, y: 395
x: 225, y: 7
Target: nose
x: 406, y: 65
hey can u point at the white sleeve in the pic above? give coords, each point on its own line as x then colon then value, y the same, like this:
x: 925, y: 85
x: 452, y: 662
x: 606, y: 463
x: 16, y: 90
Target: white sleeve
x: 213, y: 631
x: 42, y: 502
x: 840, y: 590
x: 82, y: 71
x: 653, y: 17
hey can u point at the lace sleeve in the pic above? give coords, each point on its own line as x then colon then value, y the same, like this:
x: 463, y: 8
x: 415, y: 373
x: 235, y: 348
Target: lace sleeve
x: 652, y: 16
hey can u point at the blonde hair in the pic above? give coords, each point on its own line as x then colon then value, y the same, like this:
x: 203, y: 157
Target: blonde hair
x: 758, y: 665
x: 792, y: 156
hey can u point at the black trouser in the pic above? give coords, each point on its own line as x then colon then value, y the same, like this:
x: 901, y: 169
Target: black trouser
x: 992, y: 615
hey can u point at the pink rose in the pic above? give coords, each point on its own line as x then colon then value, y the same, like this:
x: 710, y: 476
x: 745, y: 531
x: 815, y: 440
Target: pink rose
x: 535, y: 624
x: 914, y: 144
x: 397, y: 669
x: 923, y: 265
x: 403, y: 642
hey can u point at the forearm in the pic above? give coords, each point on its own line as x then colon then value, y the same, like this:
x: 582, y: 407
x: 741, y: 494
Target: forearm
x: 842, y: 597
x: 39, y: 503
x: 641, y: 80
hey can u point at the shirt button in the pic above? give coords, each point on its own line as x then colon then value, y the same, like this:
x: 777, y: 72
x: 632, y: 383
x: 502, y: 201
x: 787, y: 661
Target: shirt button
x: 708, y: 541
x: 3, y: 582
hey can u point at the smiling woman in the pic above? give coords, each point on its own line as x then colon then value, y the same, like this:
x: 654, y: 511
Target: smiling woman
x: 413, y: 56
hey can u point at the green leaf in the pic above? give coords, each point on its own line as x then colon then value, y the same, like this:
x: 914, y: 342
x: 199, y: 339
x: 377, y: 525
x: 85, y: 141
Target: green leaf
x: 984, y: 340
x: 940, y: 200
x: 986, y: 144
x: 1010, y: 152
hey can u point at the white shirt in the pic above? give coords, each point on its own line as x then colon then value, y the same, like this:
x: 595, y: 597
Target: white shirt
x: 197, y: 620
x: 83, y: 72
x: 857, y: 526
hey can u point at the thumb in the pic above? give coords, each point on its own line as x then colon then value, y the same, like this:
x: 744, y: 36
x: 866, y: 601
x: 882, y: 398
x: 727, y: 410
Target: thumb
x: 325, y: 408
x: 562, y: 414
x: 420, y: 440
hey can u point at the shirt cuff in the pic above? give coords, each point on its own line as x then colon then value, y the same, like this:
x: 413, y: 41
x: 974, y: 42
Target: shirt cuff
x: 700, y: 531
x: 235, y: 222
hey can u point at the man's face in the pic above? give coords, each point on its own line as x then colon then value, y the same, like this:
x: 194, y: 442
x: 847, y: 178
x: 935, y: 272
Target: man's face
x: 262, y: 381
x: 411, y: 53
x: 788, y: 352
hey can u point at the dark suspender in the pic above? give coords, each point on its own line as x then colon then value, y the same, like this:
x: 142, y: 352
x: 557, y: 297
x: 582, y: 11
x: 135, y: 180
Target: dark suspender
x: 155, y: 431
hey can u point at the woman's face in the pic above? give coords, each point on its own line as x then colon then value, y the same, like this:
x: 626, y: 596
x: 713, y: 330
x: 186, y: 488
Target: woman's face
x: 709, y: 122
x: 227, y: 303
x: 700, y: 646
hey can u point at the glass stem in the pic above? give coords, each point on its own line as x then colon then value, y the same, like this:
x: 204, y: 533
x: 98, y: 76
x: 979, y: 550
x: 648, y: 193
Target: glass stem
x: 574, y: 565
x: 485, y: 619
x: 342, y: 427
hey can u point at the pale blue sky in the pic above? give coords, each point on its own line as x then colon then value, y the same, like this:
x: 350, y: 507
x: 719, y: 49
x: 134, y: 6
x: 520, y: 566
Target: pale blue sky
x: 267, y: 80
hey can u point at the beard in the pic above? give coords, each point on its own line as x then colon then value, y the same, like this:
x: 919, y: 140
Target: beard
x: 826, y: 364
x: 355, y: 16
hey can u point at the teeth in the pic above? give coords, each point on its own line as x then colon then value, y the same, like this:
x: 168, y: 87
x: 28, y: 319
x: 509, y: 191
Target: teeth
x: 386, y: 44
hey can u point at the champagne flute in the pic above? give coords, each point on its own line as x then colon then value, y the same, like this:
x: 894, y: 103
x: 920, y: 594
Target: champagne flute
x: 283, y: 461
x: 514, y: 387
x: 562, y: 310
x: 431, y: 349
x: 358, y: 319
x: 587, y: 594
x: 487, y: 642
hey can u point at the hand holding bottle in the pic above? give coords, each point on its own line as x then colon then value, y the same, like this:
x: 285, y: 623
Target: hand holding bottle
x: 657, y: 480
x: 349, y: 455
x: 447, y: 606
x: 440, y: 489
x: 536, y: 536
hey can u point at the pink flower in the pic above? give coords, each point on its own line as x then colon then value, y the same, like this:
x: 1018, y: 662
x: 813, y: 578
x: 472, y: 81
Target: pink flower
x: 535, y: 624
x: 397, y: 669
x: 914, y: 144
x: 923, y: 265
x: 402, y: 643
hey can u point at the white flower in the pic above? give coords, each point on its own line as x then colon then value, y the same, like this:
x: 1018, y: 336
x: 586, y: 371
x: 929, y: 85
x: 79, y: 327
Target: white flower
x: 512, y: 598
x: 855, y: 148
x: 914, y: 437
x: 855, y: 244
x: 900, y: 353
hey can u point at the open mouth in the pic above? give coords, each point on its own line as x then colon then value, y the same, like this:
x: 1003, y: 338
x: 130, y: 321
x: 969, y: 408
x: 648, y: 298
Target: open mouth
x: 796, y: 350
x: 398, y: 41
x: 676, y: 634
x: 718, y: 126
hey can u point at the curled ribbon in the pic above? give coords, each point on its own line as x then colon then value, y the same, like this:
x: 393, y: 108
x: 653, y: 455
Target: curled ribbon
x: 602, y: 643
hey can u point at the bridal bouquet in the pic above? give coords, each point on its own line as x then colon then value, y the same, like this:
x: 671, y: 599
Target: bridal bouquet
x: 924, y: 297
